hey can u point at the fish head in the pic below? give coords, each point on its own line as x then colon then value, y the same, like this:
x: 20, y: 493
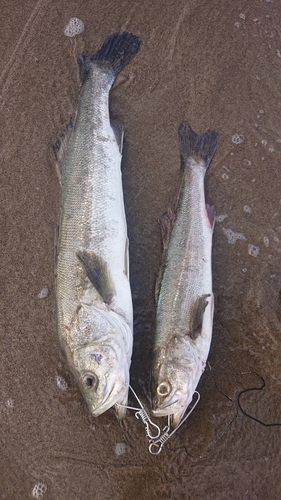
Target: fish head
x: 177, y: 370
x: 101, y: 361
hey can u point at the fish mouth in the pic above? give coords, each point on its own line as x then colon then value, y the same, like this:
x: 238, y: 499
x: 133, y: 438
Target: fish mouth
x: 175, y: 413
x: 109, y: 398
x: 174, y: 407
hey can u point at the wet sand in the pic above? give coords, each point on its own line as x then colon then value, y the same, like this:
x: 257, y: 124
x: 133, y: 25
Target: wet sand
x: 216, y: 65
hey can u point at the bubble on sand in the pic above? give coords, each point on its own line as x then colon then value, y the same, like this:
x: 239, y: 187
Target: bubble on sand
x: 220, y: 218
x: 44, y: 293
x: 232, y: 237
x: 237, y: 138
x: 61, y: 383
x: 247, y: 209
x: 253, y: 250
x: 264, y: 142
x: 39, y: 490
x: 225, y: 176
x: 266, y: 241
x: 237, y: 25
x: 10, y: 403
x: 74, y: 27
x: 120, y: 449
x: 242, y: 16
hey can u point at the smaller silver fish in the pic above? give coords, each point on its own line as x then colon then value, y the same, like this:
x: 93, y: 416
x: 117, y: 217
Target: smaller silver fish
x: 184, y: 316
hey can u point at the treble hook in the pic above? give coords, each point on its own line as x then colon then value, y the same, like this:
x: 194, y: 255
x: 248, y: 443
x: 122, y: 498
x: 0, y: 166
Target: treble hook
x: 158, y: 443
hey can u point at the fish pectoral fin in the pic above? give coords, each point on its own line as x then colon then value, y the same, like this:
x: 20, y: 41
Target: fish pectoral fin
x: 197, y: 315
x: 98, y: 273
x: 119, y: 134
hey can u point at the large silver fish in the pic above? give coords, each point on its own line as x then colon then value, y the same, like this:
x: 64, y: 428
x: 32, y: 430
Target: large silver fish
x: 185, y: 306
x: 94, y: 305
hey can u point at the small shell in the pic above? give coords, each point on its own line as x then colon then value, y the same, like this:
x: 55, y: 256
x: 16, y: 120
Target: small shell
x: 120, y: 449
x: 74, y: 27
x: 44, y: 293
x: 61, y: 383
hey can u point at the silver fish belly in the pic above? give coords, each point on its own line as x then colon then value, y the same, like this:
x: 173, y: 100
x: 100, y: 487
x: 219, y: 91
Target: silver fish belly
x: 185, y: 306
x: 93, y: 296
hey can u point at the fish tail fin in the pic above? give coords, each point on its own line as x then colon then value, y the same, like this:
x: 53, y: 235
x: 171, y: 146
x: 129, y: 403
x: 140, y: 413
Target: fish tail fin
x: 115, y: 53
x: 202, y: 147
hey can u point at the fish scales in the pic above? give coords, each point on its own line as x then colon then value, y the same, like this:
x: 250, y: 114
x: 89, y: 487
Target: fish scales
x: 94, y: 305
x: 185, y: 304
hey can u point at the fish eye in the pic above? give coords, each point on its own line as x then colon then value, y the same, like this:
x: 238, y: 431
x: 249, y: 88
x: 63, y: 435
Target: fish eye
x: 89, y: 381
x: 163, y: 389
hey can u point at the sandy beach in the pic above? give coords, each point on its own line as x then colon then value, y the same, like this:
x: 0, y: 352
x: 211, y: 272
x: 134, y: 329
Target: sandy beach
x: 217, y: 65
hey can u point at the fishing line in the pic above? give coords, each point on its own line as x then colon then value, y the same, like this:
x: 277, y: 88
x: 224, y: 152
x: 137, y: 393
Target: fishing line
x: 237, y: 404
x: 210, y: 448
x: 263, y: 384
x: 274, y: 424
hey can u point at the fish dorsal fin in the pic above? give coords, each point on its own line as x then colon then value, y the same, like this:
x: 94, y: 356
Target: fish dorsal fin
x: 98, y: 273
x: 60, y: 148
x: 197, y: 315
x: 166, y: 222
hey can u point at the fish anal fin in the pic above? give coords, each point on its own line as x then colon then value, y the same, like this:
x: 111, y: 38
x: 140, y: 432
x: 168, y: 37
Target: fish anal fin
x: 211, y: 213
x: 98, y: 273
x: 197, y: 315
